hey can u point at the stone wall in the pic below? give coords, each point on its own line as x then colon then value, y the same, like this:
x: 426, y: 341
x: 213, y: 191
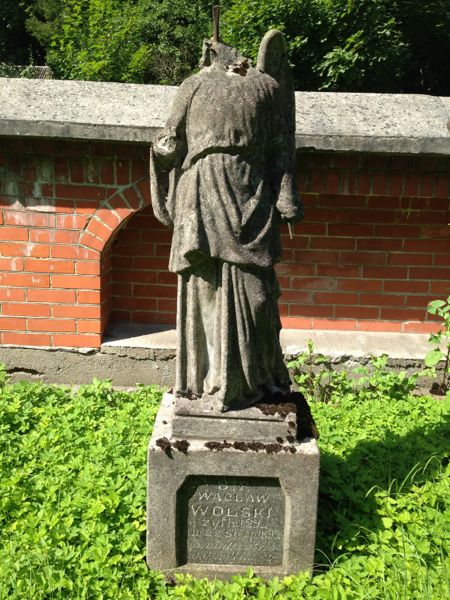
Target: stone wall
x: 80, y: 248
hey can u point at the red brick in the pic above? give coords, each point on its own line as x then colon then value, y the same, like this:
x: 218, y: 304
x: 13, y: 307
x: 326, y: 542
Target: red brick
x: 65, y: 236
x: 88, y: 268
x: 371, y: 216
x: 295, y: 269
x: 76, y: 312
x: 429, y: 273
x: 77, y: 171
x: 406, y: 286
x: 11, y: 264
x: 165, y: 305
x: 155, y: 291
x: 123, y: 172
x: 75, y: 252
x: 80, y: 192
x: 166, y: 277
x: 412, y: 184
x: 88, y: 297
x: 363, y: 258
x: 436, y: 232
x: 144, y: 189
x: 427, y: 185
x: 26, y: 310
x: 378, y: 326
x: 77, y: 341
x: 334, y: 324
x: 12, y: 294
x: 442, y: 260
x: 307, y: 228
x: 16, y: 234
x: 26, y: 339
x: 133, y: 303
x: 442, y: 186
x: 75, y: 281
x: 314, y: 283
x: 43, y: 236
x: 427, y: 245
x: 49, y: 266
x: 10, y: 323
x: 53, y: 296
x: 138, y: 276
x: 356, y: 312
x: 153, y: 317
x: 29, y: 219
x: 335, y: 298
x: 418, y: 327
x: 356, y: 231
x: 92, y: 242
x: 439, y: 287
x: 24, y: 280
x: 99, y: 229
x: 397, y: 231
x: 89, y: 327
x: 51, y: 325
x: 139, y: 169
x: 71, y: 221
x: 364, y: 183
x: 310, y: 311
x: 379, y: 184
x: 338, y: 271
x: 132, y: 197
x: 409, y: 258
x: 388, y: 203
x: 296, y: 297
x: 418, y: 301
x: 402, y: 314
x: 396, y: 183
x: 107, y: 172
x: 359, y: 285
x: 296, y: 323
x: 386, y: 244
x: 382, y: 300
x: 333, y: 177
x: 385, y: 273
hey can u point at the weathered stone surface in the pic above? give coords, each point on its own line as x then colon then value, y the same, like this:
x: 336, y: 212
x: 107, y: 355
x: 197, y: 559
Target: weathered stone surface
x: 215, y: 509
x: 400, y: 123
x: 204, y: 420
x: 230, y: 520
x: 222, y: 173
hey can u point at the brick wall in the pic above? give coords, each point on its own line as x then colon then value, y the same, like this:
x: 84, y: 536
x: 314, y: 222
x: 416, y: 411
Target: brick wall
x: 373, y: 250
x: 79, y: 246
x: 61, y: 204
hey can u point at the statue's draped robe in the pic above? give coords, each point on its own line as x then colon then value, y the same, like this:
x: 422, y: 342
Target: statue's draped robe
x: 227, y: 151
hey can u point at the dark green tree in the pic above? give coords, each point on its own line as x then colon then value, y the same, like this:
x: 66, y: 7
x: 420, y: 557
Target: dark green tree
x: 17, y: 46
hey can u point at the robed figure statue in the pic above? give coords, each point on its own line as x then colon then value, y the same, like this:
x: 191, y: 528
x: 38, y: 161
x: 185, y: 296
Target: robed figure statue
x: 222, y: 175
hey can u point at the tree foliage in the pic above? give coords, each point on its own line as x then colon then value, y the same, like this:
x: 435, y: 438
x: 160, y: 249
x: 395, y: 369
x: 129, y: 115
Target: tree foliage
x: 339, y: 45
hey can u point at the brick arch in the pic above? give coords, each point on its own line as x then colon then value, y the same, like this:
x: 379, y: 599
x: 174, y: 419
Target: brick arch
x: 112, y: 214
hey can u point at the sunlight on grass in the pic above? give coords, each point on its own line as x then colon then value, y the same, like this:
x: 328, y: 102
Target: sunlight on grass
x: 72, y: 497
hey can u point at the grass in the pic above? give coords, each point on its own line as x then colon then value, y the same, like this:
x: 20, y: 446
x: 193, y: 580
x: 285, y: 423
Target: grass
x: 72, y: 496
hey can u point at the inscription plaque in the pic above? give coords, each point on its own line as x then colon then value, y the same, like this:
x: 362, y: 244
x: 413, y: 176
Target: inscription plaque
x: 230, y: 520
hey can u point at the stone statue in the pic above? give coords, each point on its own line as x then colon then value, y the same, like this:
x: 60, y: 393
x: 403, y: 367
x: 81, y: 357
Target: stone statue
x: 222, y: 174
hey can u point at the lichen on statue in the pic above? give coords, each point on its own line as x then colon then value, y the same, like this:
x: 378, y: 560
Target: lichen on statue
x: 222, y: 174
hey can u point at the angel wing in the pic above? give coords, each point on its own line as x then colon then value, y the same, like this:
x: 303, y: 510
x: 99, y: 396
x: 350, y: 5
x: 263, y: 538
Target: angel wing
x: 272, y: 55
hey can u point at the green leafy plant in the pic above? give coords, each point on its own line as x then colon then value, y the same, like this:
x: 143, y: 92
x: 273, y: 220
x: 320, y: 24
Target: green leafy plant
x: 319, y: 381
x: 440, y: 339
x: 73, y: 497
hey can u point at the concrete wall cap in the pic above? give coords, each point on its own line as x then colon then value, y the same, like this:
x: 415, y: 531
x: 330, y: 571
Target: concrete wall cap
x: 99, y: 111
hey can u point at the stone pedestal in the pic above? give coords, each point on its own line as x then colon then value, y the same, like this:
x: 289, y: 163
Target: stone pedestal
x: 230, y: 491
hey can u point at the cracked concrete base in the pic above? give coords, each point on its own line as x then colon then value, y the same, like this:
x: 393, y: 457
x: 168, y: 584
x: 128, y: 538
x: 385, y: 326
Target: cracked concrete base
x: 133, y: 354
